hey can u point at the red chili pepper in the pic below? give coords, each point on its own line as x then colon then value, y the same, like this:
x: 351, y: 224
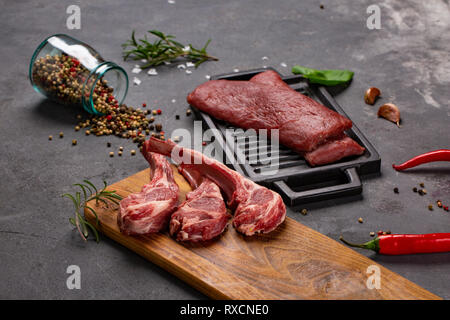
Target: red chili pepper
x: 397, y: 244
x: 144, y: 105
x: 432, y: 156
x: 158, y: 111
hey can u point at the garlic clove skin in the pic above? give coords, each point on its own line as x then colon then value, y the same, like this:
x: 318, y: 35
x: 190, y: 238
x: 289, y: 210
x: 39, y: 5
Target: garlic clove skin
x: 371, y: 95
x: 390, y: 112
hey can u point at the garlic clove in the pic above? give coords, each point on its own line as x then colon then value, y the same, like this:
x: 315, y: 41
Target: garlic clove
x: 390, y: 112
x: 371, y: 95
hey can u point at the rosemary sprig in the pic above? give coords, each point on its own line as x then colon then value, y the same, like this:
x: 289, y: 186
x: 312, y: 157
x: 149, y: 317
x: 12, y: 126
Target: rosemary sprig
x: 89, y: 192
x: 163, y: 49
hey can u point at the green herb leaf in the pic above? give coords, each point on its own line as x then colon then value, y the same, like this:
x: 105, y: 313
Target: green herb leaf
x: 164, y: 49
x: 324, y: 77
x: 83, y: 226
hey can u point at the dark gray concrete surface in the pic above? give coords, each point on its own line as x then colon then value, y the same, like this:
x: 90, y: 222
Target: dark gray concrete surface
x: 408, y: 58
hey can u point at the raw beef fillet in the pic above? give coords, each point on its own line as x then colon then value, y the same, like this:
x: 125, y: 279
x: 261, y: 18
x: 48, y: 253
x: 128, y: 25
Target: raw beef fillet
x: 149, y: 210
x: 203, y: 216
x: 256, y: 208
x: 333, y: 151
x: 267, y: 102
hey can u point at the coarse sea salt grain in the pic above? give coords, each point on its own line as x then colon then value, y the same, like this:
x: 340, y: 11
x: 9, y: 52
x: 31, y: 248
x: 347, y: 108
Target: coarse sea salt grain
x: 171, y: 1
x: 152, y: 72
x: 173, y: 100
x: 190, y: 64
x: 136, y: 81
x: 236, y: 70
x: 208, y: 76
x: 265, y: 58
x: 181, y: 66
x: 144, y: 60
x: 136, y: 70
x: 187, y: 49
x: 188, y: 71
x: 283, y: 64
x: 167, y: 63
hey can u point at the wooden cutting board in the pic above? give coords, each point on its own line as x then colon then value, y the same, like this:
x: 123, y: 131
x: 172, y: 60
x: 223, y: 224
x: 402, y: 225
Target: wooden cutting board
x: 292, y: 262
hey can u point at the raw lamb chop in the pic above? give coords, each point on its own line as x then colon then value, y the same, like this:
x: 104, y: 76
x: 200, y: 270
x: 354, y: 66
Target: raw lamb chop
x: 203, y: 216
x: 149, y: 210
x: 267, y: 102
x: 256, y: 208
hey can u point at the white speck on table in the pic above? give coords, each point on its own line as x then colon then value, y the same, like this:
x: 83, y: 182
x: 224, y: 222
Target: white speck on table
x: 136, y: 70
x: 136, y: 81
x: 152, y: 72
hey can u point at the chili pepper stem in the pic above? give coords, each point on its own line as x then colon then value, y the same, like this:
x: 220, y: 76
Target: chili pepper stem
x: 371, y: 245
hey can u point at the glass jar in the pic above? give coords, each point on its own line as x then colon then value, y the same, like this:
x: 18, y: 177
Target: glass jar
x: 71, y: 72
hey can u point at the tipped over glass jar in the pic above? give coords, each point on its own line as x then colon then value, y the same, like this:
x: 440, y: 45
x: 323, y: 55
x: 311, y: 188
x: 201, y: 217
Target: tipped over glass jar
x: 69, y: 71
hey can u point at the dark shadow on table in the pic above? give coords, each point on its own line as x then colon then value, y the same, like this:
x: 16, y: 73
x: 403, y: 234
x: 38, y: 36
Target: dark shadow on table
x: 59, y: 113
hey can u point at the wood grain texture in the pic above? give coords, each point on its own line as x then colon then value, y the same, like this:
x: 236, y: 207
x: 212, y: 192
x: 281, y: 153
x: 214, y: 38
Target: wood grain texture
x: 292, y: 262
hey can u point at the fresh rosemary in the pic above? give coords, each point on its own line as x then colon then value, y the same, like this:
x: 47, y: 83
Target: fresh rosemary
x: 80, y: 204
x: 163, y: 49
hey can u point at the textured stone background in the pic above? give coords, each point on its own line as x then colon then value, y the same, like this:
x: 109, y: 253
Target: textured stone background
x: 408, y: 59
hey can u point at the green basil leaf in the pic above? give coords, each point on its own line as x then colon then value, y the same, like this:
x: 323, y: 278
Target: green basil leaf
x: 324, y: 77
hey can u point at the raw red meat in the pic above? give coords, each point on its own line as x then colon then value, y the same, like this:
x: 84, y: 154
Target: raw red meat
x: 333, y: 150
x: 149, y: 210
x: 256, y: 208
x: 203, y: 216
x: 267, y: 102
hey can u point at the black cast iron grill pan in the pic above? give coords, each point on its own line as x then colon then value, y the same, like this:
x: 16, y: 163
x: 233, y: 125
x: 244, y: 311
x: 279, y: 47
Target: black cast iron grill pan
x: 292, y: 177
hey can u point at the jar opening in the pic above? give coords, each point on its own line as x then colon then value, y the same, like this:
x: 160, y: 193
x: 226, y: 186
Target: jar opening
x: 105, y: 81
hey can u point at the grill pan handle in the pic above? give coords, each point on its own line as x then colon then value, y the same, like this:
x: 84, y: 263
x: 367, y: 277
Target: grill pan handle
x: 352, y: 187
